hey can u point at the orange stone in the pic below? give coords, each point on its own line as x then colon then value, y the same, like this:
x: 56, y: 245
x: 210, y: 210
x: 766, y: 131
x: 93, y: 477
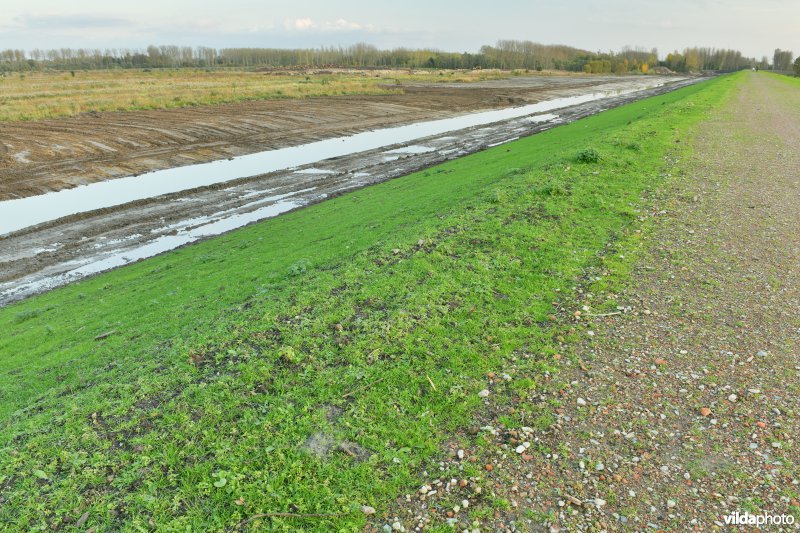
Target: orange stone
x: 489, y: 468
x: 705, y: 411
x: 762, y: 425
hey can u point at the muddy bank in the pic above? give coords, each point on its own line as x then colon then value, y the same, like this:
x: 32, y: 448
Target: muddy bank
x: 50, y: 155
x: 53, y: 254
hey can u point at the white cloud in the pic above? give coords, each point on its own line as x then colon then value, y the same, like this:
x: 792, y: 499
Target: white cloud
x: 299, y: 24
x: 340, y: 24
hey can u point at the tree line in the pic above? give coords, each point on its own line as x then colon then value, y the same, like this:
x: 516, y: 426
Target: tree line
x: 505, y: 54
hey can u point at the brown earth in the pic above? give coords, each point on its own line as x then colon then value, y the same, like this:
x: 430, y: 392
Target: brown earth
x: 681, y: 408
x: 47, y: 155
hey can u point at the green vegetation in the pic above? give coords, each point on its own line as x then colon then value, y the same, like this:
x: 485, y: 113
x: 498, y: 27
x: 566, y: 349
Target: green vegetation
x: 315, y: 362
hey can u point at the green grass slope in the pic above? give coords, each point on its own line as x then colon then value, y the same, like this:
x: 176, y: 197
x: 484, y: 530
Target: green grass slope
x: 314, y: 362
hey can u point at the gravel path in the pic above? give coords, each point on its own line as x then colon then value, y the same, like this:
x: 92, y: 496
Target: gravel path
x: 682, y: 409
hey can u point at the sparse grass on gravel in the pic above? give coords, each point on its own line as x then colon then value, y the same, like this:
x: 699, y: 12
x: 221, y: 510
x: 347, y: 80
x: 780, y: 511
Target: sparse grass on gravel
x: 314, y: 362
x: 675, y: 404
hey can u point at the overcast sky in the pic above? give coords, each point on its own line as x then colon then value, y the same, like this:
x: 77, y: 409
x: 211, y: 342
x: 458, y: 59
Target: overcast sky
x: 756, y: 27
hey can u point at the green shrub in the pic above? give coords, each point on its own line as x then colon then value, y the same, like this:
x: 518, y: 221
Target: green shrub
x: 588, y: 155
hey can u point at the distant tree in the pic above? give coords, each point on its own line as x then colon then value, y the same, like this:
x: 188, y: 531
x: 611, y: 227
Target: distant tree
x: 782, y: 59
x: 796, y: 66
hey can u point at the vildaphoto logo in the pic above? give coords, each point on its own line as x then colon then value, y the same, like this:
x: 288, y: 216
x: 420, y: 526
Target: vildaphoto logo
x: 764, y: 519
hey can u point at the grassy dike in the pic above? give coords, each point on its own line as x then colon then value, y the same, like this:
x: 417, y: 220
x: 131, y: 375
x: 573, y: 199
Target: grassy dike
x: 313, y: 363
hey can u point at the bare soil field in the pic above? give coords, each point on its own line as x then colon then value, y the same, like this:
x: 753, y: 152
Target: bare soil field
x: 48, y: 155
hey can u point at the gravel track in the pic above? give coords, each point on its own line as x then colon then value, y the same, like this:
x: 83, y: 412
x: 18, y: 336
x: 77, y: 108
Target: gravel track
x: 682, y: 408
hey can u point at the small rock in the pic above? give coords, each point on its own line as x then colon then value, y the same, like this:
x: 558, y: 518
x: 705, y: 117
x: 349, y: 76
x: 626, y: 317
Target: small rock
x: 519, y: 449
x: 776, y: 445
x: 599, y: 502
x: 600, y: 466
x: 489, y: 468
x: 762, y: 353
x: 754, y: 391
x: 705, y: 411
x: 397, y: 526
x: 581, y: 401
x: 660, y: 361
x: 460, y: 454
x: 484, y: 393
x: 366, y: 509
x: 671, y: 503
x: 732, y: 398
x: 762, y: 425
x: 464, y: 503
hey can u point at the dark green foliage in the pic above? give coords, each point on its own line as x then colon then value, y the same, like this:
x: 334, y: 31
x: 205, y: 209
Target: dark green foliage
x: 588, y: 155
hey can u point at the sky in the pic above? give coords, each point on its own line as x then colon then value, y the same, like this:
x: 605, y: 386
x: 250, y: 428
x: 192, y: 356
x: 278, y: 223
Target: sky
x: 755, y: 27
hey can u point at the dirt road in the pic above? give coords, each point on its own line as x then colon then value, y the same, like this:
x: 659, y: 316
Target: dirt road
x: 48, y: 155
x: 685, y: 410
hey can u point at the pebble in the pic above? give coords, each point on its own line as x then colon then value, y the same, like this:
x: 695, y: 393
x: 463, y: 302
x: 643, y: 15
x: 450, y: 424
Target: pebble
x: 484, y: 393
x: 732, y: 398
x: 366, y: 509
x: 600, y: 466
x: 460, y: 454
x: 761, y: 353
x: 464, y: 503
x: 671, y: 503
x: 581, y: 401
x: 519, y: 449
x: 397, y: 526
x: 599, y: 502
